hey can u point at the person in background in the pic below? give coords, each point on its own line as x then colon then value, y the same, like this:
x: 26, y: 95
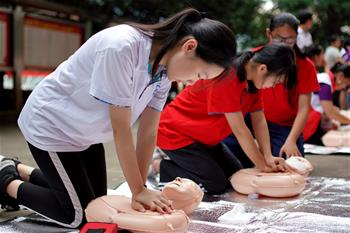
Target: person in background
x: 121, y: 74
x: 345, y: 51
x: 193, y: 125
x: 304, y: 38
x: 332, y: 53
x: 316, y: 54
x: 323, y: 111
x: 342, y: 85
x: 286, y: 110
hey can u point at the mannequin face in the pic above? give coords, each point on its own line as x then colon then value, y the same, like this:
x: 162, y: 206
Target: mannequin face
x: 182, y: 185
x: 184, y: 65
x: 177, y: 183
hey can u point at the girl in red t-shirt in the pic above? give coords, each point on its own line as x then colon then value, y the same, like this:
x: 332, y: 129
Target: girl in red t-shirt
x: 292, y: 108
x: 286, y: 110
x: 201, y: 116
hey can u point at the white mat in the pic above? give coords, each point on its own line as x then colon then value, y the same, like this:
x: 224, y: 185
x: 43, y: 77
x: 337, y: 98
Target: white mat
x: 323, y: 150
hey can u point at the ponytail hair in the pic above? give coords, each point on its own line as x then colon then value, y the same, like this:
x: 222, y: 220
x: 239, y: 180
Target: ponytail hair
x: 216, y: 41
x: 279, y: 60
x: 239, y: 64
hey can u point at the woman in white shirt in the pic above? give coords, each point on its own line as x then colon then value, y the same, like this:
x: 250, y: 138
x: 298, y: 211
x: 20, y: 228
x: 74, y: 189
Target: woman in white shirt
x: 119, y: 75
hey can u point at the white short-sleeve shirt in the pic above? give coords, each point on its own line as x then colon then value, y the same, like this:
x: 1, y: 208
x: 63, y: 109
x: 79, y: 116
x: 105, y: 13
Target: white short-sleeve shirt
x: 323, y: 78
x: 69, y: 109
x: 331, y: 55
x: 304, y: 39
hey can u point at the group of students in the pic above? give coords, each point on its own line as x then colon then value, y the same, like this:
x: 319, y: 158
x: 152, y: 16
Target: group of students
x: 266, y: 97
x: 333, y: 75
x: 330, y: 99
x: 237, y: 111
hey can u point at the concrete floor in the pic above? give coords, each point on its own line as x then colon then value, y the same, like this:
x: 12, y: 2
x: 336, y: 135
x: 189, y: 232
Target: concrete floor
x: 13, y: 144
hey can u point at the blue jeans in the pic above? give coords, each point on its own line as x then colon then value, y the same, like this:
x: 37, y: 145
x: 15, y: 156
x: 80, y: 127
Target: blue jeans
x: 278, y: 135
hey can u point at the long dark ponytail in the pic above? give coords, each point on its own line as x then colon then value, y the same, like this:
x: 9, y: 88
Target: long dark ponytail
x: 216, y: 41
x: 279, y: 60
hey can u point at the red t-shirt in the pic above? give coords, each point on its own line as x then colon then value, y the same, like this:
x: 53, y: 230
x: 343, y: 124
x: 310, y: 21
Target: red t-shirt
x: 277, y: 108
x: 197, y: 113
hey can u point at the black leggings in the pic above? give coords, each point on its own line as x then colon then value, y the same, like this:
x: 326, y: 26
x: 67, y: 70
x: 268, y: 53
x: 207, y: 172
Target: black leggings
x: 209, y: 167
x: 316, y: 137
x: 65, y: 183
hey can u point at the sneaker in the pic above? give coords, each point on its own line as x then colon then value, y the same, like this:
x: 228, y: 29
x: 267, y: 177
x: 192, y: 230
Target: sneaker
x: 8, y: 173
x: 9, y: 204
x: 15, y: 160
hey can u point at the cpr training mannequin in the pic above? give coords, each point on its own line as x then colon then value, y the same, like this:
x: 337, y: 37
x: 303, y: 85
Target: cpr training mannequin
x: 336, y: 138
x: 286, y: 184
x: 340, y: 137
x: 184, y: 194
x: 299, y: 165
x: 117, y: 209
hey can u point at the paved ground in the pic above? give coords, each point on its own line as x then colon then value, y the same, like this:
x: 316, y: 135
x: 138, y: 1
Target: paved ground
x: 12, y: 143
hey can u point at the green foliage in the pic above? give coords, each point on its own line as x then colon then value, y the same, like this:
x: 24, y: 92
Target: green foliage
x: 330, y: 15
x: 245, y: 17
x: 241, y: 16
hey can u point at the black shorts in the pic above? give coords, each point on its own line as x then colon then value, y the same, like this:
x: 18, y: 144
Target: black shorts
x: 209, y: 167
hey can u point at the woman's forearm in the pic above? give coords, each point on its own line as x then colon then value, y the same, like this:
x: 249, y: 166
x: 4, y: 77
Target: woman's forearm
x: 146, y: 139
x: 301, y: 118
x: 249, y: 146
x: 261, y: 132
x: 340, y: 117
x: 120, y: 118
x: 333, y: 112
x: 144, y: 150
x: 128, y: 162
x: 245, y: 138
